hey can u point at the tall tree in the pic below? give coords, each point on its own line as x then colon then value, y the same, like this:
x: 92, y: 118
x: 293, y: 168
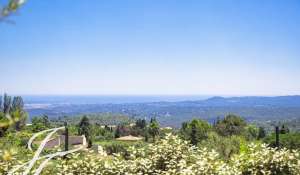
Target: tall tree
x: 17, y: 103
x: 6, y: 104
x: 141, y: 123
x: 45, y: 121
x: 14, y: 112
x: 194, y: 138
x: 84, y: 129
x: 118, y: 132
x: 153, y: 128
x: 231, y: 125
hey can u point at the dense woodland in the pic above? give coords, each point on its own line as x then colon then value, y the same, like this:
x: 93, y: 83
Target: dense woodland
x: 222, y: 143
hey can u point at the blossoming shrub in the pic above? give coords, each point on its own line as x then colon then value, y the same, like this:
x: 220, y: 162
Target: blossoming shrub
x: 262, y: 160
x: 172, y: 156
x: 10, y: 158
x: 168, y: 156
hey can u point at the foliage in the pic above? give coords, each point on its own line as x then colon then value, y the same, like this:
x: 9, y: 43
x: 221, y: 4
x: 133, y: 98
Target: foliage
x: 84, y: 129
x: 19, y: 118
x: 141, y: 123
x: 261, y: 133
x: 289, y: 140
x: 175, y: 156
x: 195, y: 131
x: 122, y: 130
x: 120, y: 147
x: 12, y: 114
x: 230, y: 125
x: 170, y: 155
x: 99, y: 134
x: 12, y: 6
x: 262, y: 160
x: 118, y: 132
x: 224, y: 146
x: 98, y: 119
x: 251, y: 132
x: 6, y: 104
x: 13, y: 150
x: 4, y: 124
x: 153, y: 128
x: 167, y: 156
x: 40, y: 123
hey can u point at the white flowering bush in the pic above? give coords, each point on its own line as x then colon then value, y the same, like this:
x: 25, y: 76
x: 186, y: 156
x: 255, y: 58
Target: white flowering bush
x: 11, y: 158
x: 168, y: 156
x: 173, y: 156
x: 262, y: 160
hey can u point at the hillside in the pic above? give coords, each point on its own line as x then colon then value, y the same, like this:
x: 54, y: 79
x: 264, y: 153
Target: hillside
x: 174, y: 113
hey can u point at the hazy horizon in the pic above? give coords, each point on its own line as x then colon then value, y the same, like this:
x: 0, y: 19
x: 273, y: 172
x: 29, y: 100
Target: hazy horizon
x: 115, y: 99
x: 157, y: 95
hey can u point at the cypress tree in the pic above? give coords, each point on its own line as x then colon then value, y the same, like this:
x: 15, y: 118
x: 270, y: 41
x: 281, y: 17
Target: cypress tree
x: 84, y: 129
x: 1, y: 108
x: 118, y: 132
x: 194, y: 139
x: 6, y: 104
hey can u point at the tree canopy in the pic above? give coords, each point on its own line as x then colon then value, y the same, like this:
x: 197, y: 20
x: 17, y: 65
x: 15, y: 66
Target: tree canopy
x: 231, y: 125
x: 85, y: 129
x: 195, y: 131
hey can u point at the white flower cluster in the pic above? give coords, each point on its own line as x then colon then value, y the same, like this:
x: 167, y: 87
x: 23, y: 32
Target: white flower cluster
x: 261, y: 159
x: 173, y: 156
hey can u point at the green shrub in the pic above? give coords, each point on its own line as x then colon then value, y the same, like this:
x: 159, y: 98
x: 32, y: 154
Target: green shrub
x: 225, y: 146
x: 289, y: 140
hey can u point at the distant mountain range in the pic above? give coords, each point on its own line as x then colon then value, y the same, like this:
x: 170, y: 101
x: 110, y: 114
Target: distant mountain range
x: 174, y: 113
x: 280, y: 101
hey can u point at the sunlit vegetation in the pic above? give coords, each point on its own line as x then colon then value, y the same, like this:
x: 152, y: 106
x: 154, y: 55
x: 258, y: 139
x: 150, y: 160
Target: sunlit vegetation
x: 228, y: 146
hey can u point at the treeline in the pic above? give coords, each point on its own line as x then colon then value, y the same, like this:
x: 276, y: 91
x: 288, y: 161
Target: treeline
x: 227, y: 135
x: 98, y: 118
x: 232, y: 134
x: 95, y: 132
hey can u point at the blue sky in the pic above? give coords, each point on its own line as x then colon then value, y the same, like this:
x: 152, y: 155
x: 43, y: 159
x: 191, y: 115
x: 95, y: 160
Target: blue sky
x: 204, y: 47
